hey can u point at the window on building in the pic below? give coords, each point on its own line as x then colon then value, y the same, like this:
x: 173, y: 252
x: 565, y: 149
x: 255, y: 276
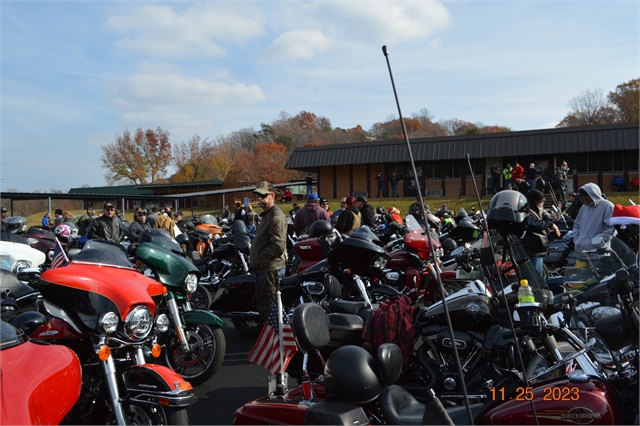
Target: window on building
x: 607, y: 161
x: 633, y: 160
x: 592, y: 160
x: 618, y: 161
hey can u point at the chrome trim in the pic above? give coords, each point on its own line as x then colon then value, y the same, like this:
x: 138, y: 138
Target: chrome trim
x: 177, y: 322
x: 110, y: 375
x: 58, y: 312
x: 84, y: 262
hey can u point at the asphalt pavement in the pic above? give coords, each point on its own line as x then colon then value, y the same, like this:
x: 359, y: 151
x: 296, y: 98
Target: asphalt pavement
x: 237, y: 382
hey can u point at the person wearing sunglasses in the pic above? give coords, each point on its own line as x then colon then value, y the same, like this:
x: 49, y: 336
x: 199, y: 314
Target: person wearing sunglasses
x: 139, y: 225
x: 107, y: 227
x: 267, y: 255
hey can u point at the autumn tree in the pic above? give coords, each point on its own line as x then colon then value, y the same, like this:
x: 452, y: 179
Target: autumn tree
x: 141, y: 158
x: 265, y: 163
x: 625, y: 100
x: 192, y: 159
x: 588, y: 109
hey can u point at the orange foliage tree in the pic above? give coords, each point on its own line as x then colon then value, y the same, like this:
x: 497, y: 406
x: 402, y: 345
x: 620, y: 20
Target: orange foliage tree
x: 140, y: 158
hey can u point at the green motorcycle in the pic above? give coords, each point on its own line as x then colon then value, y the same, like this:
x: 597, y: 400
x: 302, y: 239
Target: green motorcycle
x: 195, y: 346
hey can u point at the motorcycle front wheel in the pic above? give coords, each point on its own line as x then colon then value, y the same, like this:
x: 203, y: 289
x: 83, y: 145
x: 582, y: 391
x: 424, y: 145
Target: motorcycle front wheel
x: 247, y: 327
x: 201, y: 299
x: 144, y: 414
x: 207, y: 347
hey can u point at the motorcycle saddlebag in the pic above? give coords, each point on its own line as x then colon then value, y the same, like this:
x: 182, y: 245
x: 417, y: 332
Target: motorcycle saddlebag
x: 335, y: 413
x: 345, y: 329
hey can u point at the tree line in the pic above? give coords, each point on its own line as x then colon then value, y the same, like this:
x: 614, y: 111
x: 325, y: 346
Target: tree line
x: 246, y: 156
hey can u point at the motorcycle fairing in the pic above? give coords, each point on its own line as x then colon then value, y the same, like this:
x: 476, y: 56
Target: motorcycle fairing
x: 28, y: 393
x: 201, y: 317
x: 158, y: 385
x: 86, y: 290
x: 169, y: 268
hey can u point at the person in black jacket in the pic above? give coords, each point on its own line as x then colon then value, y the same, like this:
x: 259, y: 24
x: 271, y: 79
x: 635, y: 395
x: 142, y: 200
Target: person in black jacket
x: 366, y: 210
x: 108, y: 227
x: 138, y: 225
x: 535, y: 240
x: 185, y: 226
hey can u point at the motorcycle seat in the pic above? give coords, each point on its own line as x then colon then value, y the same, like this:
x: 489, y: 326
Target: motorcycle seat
x: 347, y: 306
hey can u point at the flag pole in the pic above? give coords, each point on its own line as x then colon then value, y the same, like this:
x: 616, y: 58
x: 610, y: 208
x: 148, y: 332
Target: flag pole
x: 66, y: 259
x: 281, y: 339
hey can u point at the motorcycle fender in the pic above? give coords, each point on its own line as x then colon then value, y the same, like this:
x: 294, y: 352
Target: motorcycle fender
x: 157, y: 385
x: 201, y: 317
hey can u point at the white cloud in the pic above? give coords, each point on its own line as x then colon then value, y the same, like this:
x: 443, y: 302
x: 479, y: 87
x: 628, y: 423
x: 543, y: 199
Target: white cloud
x: 198, y: 31
x: 171, y: 90
x: 293, y: 45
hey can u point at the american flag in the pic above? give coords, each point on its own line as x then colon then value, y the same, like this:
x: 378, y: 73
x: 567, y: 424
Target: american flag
x: 266, y: 350
x: 59, y: 256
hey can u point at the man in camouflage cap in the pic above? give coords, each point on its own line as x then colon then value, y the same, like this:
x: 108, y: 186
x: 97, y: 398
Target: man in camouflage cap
x: 267, y: 256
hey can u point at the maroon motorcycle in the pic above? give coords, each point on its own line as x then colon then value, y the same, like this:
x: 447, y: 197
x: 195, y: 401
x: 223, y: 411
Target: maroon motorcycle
x: 356, y: 387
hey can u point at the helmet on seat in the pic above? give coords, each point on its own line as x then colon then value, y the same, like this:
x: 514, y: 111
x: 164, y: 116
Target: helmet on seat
x: 352, y: 375
x: 508, y: 213
x: 63, y: 232
x: 320, y: 228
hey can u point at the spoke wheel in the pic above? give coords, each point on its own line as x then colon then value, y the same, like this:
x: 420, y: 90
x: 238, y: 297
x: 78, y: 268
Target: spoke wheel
x: 201, y: 299
x: 207, y: 347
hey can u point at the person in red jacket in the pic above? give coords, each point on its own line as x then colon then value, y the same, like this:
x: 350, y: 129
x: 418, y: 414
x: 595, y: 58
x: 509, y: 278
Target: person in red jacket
x: 517, y: 172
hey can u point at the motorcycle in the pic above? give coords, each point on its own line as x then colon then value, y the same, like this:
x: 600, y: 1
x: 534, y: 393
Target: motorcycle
x: 208, y: 224
x: 195, y: 346
x: 17, y: 297
x: 103, y: 309
x: 27, y: 392
x: 16, y: 254
x: 355, y: 257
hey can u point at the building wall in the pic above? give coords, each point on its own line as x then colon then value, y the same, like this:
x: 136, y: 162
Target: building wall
x: 342, y: 181
x: 325, y: 182
x: 360, y: 178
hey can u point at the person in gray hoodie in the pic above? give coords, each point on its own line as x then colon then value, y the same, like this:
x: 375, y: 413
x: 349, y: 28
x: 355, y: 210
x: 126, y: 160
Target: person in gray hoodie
x: 593, y: 219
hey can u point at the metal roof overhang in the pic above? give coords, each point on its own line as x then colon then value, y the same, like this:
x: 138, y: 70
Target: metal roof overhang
x: 606, y: 138
x: 88, y: 196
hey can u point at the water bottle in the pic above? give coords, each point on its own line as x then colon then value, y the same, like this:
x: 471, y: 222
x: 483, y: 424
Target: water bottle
x: 525, y: 294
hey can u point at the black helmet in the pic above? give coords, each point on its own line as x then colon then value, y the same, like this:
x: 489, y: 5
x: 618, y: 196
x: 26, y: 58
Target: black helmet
x: 185, y: 242
x: 352, y: 375
x: 508, y: 212
x: 449, y: 245
x: 320, y: 228
x: 380, y: 210
x: 28, y: 321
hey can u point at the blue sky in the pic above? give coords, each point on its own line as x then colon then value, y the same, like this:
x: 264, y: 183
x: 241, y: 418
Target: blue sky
x: 76, y: 73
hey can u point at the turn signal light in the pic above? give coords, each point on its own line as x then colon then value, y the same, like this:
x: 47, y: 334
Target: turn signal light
x: 184, y: 385
x: 104, y: 352
x: 156, y: 350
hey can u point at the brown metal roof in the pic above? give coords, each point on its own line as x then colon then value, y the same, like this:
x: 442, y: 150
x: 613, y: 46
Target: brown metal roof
x: 613, y: 137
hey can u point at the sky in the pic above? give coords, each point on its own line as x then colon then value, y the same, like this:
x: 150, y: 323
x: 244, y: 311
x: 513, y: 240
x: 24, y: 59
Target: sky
x: 75, y: 74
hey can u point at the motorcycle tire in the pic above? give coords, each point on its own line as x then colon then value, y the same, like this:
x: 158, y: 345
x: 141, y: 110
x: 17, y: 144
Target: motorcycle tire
x: 201, y: 299
x: 144, y: 414
x: 250, y: 328
x: 208, y: 347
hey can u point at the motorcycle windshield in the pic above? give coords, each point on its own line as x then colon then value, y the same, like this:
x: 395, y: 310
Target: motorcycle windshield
x: 601, y: 265
x: 104, y: 252
x: 208, y: 219
x: 365, y: 233
x: 10, y: 336
x: 411, y: 222
x: 241, y: 239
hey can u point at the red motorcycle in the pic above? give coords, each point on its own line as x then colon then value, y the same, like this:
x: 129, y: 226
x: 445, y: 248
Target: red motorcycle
x: 103, y: 309
x: 310, y: 251
x: 28, y: 392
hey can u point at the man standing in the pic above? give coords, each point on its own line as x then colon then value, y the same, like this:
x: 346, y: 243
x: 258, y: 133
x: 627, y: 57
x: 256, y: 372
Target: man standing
x: 381, y: 179
x: 108, y: 227
x: 267, y: 255
x: 138, y: 225
x: 536, y: 240
x: 531, y: 175
x: 366, y: 210
x: 343, y: 206
x: 226, y: 214
x: 517, y: 172
x: 593, y: 219
x: 241, y: 211
x: 393, y: 181
x: 58, y: 218
x: 152, y: 217
x: 308, y: 214
x: 506, y: 174
x: 495, y: 177
x: 309, y: 182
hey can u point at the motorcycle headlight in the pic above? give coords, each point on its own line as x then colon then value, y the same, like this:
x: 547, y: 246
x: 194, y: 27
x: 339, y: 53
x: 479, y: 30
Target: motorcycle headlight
x: 162, y: 323
x: 20, y: 265
x: 380, y: 262
x: 109, y: 322
x: 191, y: 283
x: 50, y: 255
x: 138, y: 323
x: 439, y: 252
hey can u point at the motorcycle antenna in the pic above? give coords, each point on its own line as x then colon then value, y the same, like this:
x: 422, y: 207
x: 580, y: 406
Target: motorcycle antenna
x: 443, y: 297
x: 500, y: 279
